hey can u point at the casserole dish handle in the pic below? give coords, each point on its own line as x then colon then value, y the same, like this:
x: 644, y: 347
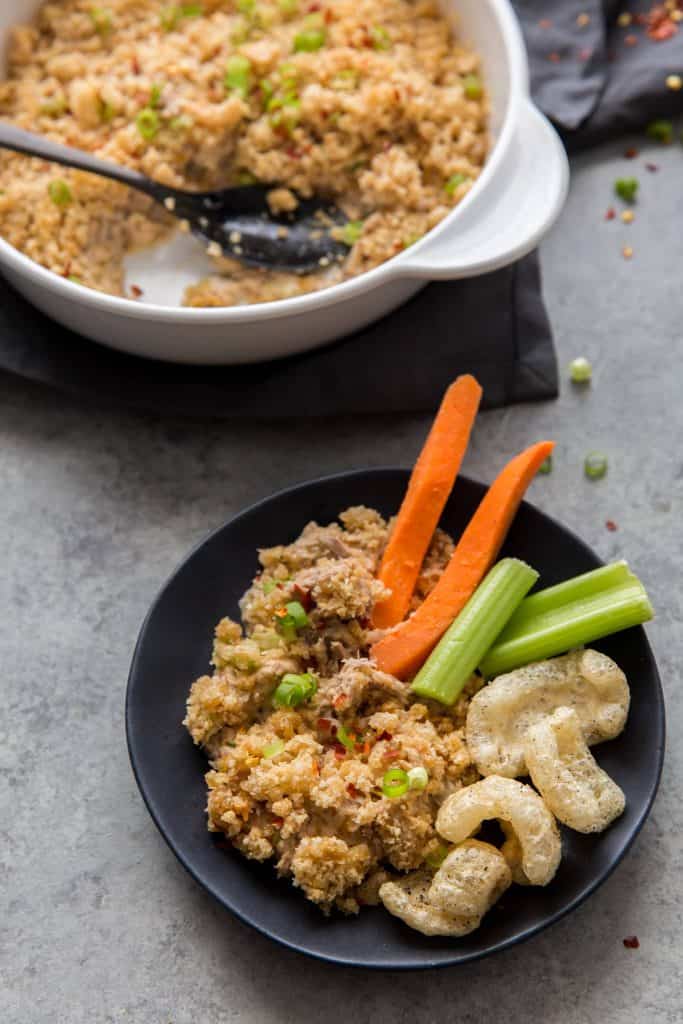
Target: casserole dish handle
x: 509, y: 218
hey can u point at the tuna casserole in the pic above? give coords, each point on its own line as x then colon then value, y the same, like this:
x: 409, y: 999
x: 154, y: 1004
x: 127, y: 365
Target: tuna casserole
x: 373, y: 104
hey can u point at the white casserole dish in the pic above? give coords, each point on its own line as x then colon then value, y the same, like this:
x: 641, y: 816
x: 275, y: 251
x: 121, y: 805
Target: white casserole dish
x: 513, y: 204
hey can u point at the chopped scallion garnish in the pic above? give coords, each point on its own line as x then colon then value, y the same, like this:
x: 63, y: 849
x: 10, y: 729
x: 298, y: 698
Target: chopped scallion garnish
x: 172, y: 15
x: 580, y: 370
x: 381, y: 40
x: 454, y: 182
x: 661, y: 130
x: 238, y: 75
x: 293, y: 690
x: 626, y: 189
x: 147, y: 123
x: 595, y: 465
x: 546, y: 466
x: 351, y: 232
x: 472, y: 86
x: 345, y: 738
x: 309, y: 40
x: 436, y: 857
x: 59, y: 192
x: 417, y: 777
x: 274, y: 748
x: 395, y: 783
x: 101, y: 19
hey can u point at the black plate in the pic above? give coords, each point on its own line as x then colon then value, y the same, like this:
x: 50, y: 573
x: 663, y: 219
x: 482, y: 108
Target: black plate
x: 174, y: 648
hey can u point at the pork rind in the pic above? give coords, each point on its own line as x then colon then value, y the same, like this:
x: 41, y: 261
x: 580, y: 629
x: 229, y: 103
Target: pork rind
x: 512, y: 852
x: 408, y: 898
x: 501, y: 713
x: 462, y: 813
x: 573, y: 785
x: 470, y: 880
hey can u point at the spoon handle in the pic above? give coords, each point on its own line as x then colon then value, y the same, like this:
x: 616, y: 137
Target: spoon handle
x: 21, y: 141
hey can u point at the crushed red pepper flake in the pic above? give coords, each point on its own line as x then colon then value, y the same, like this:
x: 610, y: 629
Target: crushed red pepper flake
x: 630, y: 40
x: 585, y: 54
x: 611, y: 525
x: 632, y: 942
x: 545, y: 23
x: 136, y: 291
x: 652, y: 168
x: 659, y: 24
x: 631, y: 153
x: 610, y: 214
x: 554, y: 57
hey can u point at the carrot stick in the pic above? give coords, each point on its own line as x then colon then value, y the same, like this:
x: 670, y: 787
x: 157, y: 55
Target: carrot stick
x: 430, y: 484
x: 402, y: 651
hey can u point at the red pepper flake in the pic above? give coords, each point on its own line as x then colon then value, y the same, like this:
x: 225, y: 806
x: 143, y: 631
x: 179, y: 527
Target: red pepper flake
x: 660, y: 25
x: 352, y: 791
x: 611, y: 213
x: 278, y: 822
x: 611, y: 525
x: 554, y: 57
x: 328, y: 16
x: 630, y: 40
x: 385, y: 735
x: 324, y: 724
x: 339, y: 751
x: 135, y: 291
x: 367, y: 747
x: 652, y: 168
x: 313, y: 7
x: 585, y: 54
x: 545, y: 23
x: 293, y: 153
x: 632, y: 942
x: 135, y: 64
x: 339, y: 701
x: 631, y: 153
x: 391, y: 754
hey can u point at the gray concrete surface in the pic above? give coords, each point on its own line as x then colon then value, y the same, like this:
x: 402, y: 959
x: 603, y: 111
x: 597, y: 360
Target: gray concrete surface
x: 98, y: 922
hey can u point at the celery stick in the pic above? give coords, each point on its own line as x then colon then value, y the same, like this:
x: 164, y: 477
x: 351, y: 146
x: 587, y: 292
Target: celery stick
x: 587, y: 585
x: 565, y: 627
x: 472, y: 632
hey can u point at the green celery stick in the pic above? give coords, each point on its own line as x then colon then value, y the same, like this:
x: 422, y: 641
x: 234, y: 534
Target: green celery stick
x: 470, y: 635
x: 565, y: 627
x: 587, y: 585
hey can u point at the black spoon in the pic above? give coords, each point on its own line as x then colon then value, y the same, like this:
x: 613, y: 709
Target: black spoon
x: 236, y: 220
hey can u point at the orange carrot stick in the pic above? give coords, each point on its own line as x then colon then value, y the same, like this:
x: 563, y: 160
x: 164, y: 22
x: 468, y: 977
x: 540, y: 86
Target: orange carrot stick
x: 402, y: 651
x: 430, y: 484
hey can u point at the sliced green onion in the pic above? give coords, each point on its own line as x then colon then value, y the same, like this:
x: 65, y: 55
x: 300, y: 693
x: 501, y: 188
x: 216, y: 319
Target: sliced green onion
x: 54, y: 106
x: 288, y: 6
x: 298, y: 614
x: 101, y: 19
x: 59, y: 192
x: 344, y: 738
x: 107, y: 112
x: 473, y: 631
x: 347, y: 78
x: 293, y: 690
x: 351, y: 232
x: 238, y: 75
x: 472, y: 86
x: 274, y: 748
x: 246, y: 6
x: 245, y: 178
x: 411, y: 240
x: 626, y: 189
x: 309, y: 40
x: 546, y: 466
x: 454, y: 182
x: 267, y: 91
x: 172, y: 15
x: 381, y: 40
x: 155, y: 95
x: 436, y: 858
x: 395, y: 783
x: 579, y: 611
x: 595, y: 465
x: 417, y: 777
x: 580, y: 370
x: 269, y: 586
x: 147, y: 123
x: 661, y: 131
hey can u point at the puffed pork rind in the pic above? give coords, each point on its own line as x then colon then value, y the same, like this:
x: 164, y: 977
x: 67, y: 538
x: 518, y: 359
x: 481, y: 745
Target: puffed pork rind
x: 462, y: 813
x: 472, y: 877
x: 408, y: 898
x: 500, y: 715
x: 575, y: 788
